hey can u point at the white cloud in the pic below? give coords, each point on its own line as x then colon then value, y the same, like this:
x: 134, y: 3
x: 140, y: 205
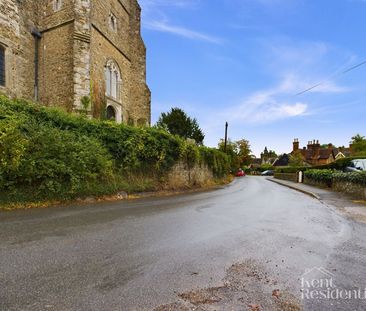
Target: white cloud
x: 266, y: 106
x: 181, y: 31
x: 296, y: 84
x: 154, y: 18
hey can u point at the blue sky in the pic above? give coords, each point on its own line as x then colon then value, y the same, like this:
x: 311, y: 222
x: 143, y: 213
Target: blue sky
x: 244, y: 61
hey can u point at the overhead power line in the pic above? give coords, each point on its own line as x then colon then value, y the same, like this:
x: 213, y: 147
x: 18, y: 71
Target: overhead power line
x: 341, y: 73
x: 354, y: 67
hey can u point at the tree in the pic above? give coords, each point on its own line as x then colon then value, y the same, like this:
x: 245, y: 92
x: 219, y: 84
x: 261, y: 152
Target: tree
x: 296, y: 159
x: 358, y: 139
x: 177, y: 122
x: 244, y: 152
x: 358, y: 145
x: 238, y: 151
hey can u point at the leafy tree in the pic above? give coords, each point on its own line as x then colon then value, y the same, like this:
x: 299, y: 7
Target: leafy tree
x: 231, y: 151
x: 358, y: 138
x: 177, y: 122
x: 238, y: 151
x: 359, y: 145
x: 244, y: 152
x: 296, y: 159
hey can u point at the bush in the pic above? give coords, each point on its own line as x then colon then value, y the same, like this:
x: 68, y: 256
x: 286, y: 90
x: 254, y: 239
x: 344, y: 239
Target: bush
x: 354, y: 177
x: 321, y: 176
x: 54, y: 154
x: 216, y: 160
x: 329, y: 176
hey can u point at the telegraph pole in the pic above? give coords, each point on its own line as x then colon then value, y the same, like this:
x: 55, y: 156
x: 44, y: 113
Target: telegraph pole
x: 226, y: 126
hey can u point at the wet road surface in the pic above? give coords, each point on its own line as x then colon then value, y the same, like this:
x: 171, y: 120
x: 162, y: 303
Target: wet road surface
x: 137, y: 255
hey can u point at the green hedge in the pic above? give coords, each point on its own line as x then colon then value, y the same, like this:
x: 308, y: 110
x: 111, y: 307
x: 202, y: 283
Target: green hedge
x: 54, y: 154
x: 216, y: 160
x: 340, y: 164
x: 329, y: 176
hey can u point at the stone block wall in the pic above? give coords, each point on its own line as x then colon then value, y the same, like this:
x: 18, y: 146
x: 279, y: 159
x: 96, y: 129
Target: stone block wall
x: 101, y: 52
x: 17, y: 19
x: 56, y: 85
x: 81, y: 52
x: 286, y: 176
x: 75, y: 45
x: 181, y: 176
x: 355, y: 190
x: 126, y: 48
x: 140, y: 93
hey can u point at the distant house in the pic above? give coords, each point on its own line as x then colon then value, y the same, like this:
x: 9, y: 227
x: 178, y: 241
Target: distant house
x: 342, y: 152
x: 268, y: 157
x: 256, y: 163
x: 313, y: 153
x: 282, y: 160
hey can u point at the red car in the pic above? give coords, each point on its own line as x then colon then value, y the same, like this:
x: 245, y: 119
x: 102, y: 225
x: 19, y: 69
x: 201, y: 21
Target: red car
x: 240, y: 173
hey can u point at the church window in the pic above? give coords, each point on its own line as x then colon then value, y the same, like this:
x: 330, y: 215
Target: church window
x: 112, y: 79
x: 112, y: 22
x: 2, y: 66
x: 111, y: 113
x: 57, y: 5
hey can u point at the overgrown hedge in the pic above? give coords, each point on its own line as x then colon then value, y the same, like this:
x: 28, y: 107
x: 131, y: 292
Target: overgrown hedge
x: 340, y: 165
x: 330, y: 176
x: 51, y: 153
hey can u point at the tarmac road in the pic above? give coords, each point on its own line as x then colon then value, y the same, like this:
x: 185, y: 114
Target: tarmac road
x: 139, y: 254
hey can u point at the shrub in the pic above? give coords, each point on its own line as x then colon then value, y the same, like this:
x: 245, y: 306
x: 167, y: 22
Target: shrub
x: 321, y: 176
x: 216, y: 160
x: 354, y: 177
x: 329, y: 176
x: 56, y: 154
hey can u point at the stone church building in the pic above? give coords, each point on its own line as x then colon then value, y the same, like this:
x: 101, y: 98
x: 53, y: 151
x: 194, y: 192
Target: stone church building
x: 64, y: 52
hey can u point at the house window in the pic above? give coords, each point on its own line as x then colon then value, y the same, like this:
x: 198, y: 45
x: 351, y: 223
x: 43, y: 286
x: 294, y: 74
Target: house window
x: 111, y: 113
x: 112, y: 22
x: 2, y: 66
x: 57, y: 4
x: 112, y: 79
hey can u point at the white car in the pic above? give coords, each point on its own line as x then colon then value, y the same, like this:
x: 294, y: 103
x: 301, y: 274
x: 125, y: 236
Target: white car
x: 357, y: 166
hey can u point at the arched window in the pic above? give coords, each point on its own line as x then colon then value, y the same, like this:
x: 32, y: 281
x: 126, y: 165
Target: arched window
x: 111, y: 113
x: 57, y: 4
x: 2, y: 66
x: 113, y: 22
x: 112, y: 79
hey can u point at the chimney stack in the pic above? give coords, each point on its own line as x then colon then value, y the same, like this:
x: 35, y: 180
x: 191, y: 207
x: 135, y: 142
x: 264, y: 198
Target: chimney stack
x: 295, y: 145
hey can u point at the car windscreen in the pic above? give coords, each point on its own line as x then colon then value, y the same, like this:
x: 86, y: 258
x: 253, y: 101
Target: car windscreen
x: 359, y: 164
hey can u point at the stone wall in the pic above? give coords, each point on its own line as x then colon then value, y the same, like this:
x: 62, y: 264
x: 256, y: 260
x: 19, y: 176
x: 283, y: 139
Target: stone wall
x: 140, y: 93
x: 181, y: 176
x: 17, y: 20
x: 99, y: 58
x: 56, y: 85
x: 355, y: 190
x: 286, y: 176
x: 75, y: 45
x: 82, y: 52
x: 126, y: 48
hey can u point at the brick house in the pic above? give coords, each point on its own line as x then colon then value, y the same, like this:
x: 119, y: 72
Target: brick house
x: 313, y: 153
x: 58, y: 51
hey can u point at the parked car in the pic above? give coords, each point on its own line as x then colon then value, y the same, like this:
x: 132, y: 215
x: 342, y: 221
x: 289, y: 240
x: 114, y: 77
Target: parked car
x: 357, y: 165
x: 240, y: 173
x: 268, y: 173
